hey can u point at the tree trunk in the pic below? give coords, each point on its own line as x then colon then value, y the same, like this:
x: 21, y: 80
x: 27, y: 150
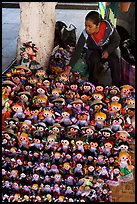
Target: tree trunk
x: 37, y: 24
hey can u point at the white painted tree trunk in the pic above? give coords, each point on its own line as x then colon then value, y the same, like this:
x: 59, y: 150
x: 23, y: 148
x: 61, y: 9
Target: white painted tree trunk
x: 37, y: 24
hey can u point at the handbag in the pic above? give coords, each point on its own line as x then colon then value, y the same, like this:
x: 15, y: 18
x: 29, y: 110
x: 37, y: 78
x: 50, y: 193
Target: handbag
x: 68, y: 36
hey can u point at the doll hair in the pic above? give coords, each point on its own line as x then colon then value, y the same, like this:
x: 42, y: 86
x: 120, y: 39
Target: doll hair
x: 94, y: 16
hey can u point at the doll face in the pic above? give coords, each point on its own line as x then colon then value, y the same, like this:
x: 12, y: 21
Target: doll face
x: 66, y: 166
x: 23, y: 139
x: 77, y: 105
x: 34, y: 112
x: 86, y: 88
x: 25, y: 127
x: 100, y: 117
x: 55, y: 129
x: 34, y: 187
x: 40, y: 91
x: 36, y: 141
x: 57, y: 155
x: 99, y: 88
x: 78, y: 156
x: 85, y: 98
x: 115, y: 99
x: 19, y: 162
x: 65, y: 142
x: 97, y: 96
x: 91, y: 168
x: 79, y: 166
x: 17, y: 108
x: 6, y: 89
x: 115, y: 107
x: 123, y: 148
x: 108, y: 145
x: 28, y: 88
x: 93, y: 144
x: 123, y: 136
x: 74, y: 87
x: 117, y: 121
x: 47, y: 114
x: 65, y: 114
x: 7, y: 136
x: 51, y: 140
x: 79, y: 143
x: 16, y: 79
x: 24, y: 98
x: 59, y: 85
x: 106, y: 134
x: 46, y: 83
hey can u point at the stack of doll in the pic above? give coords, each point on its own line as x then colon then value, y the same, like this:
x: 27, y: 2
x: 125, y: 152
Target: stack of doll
x: 64, y: 139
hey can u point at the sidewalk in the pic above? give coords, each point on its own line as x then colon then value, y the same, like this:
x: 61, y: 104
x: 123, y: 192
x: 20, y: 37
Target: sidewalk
x: 10, y: 28
x: 11, y: 23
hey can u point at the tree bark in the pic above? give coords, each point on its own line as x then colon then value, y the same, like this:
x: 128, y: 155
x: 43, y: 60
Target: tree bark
x: 37, y: 24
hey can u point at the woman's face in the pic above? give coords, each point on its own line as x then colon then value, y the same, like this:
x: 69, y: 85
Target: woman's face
x: 90, y: 27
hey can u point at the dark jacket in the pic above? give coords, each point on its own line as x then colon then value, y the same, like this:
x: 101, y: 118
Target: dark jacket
x: 85, y: 41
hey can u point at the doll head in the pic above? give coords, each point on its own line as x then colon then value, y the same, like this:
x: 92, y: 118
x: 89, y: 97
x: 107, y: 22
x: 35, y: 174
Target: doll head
x: 100, y: 116
x: 122, y: 135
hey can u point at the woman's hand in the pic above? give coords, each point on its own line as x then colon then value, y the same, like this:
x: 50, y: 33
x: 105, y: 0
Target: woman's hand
x: 105, y: 55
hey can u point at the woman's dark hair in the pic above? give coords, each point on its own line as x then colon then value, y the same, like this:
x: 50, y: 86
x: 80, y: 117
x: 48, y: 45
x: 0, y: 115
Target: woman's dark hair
x: 94, y: 16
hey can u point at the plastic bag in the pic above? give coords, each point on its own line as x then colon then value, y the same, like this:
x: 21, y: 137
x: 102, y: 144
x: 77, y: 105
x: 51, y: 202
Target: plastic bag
x: 128, y: 51
x: 82, y: 68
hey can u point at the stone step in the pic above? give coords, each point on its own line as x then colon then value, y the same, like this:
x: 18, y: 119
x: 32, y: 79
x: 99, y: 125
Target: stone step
x: 60, y: 5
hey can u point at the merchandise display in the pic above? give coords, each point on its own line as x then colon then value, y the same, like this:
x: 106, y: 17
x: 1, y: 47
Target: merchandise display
x: 63, y: 139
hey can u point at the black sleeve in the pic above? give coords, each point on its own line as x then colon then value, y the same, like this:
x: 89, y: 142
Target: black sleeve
x: 78, y: 50
x: 114, y: 42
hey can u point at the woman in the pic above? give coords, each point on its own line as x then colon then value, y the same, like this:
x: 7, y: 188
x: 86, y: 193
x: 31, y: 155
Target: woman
x: 99, y: 41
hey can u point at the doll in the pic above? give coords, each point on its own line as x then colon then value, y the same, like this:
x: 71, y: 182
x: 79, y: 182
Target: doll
x: 70, y: 180
x: 114, y: 173
x: 40, y: 101
x: 66, y: 117
x: 122, y: 136
x: 26, y: 126
x: 100, y: 119
x: 58, y: 105
x: 51, y: 144
x: 72, y: 131
x: 58, y: 178
x: 83, y: 118
x: 12, y: 124
x: 53, y: 170
x: 126, y: 91
x: 79, y: 144
x: 77, y: 106
x: 47, y: 116
x: 66, y: 168
x: 23, y: 140
x: 36, y: 143
x: 106, y: 133
x: 8, y: 89
x: 18, y: 111
x: 24, y: 98
x: 69, y: 192
x: 93, y: 146
x: 88, y: 88
x: 117, y: 123
x: 69, y: 96
x: 74, y: 87
x: 40, y: 129
x: 115, y: 108
x: 126, y: 168
x: 107, y: 148
x: 78, y: 170
x: 41, y: 74
x: 97, y: 106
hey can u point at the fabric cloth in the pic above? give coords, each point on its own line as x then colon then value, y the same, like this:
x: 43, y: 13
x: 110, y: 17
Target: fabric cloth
x: 127, y: 73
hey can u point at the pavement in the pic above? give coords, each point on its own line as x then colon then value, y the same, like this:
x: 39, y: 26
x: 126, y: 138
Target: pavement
x: 10, y: 29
